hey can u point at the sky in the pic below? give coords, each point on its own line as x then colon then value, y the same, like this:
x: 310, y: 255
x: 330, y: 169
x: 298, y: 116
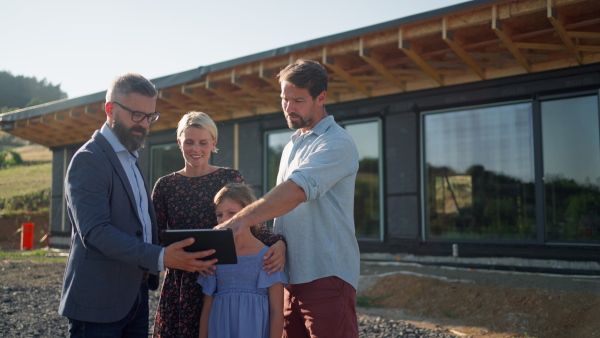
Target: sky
x: 83, y: 45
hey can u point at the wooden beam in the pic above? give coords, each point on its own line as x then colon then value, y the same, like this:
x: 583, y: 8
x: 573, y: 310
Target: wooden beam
x: 239, y: 82
x: 584, y: 35
x: 329, y: 62
x: 593, y: 49
x: 456, y: 46
x: 374, y: 62
x: 562, y: 32
x: 412, y: 54
x: 166, y: 97
x: 207, y: 107
x: 540, y: 46
x: 508, y: 43
x: 214, y: 88
x: 265, y: 75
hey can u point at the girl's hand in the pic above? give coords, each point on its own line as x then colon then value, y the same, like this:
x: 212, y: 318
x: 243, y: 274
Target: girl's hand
x: 275, y: 257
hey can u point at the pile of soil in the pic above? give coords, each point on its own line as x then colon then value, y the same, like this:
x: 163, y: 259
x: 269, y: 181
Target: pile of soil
x: 485, y: 311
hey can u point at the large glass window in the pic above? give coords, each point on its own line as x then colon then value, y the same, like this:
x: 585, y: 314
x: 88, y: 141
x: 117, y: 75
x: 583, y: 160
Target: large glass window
x: 367, y: 195
x: 571, y: 148
x: 478, y: 173
x: 276, y: 141
x: 166, y: 158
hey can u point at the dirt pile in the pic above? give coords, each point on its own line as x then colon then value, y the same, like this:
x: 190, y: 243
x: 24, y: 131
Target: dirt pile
x: 487, y: 311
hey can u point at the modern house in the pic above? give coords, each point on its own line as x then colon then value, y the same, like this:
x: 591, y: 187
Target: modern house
x: 477, y: 125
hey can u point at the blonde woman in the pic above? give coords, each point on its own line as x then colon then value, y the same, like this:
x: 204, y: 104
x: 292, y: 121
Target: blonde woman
x: 184, y: 200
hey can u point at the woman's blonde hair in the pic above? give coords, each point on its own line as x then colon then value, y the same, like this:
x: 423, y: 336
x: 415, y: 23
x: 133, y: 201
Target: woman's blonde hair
x: 239, y: 193
x: 198, y: 120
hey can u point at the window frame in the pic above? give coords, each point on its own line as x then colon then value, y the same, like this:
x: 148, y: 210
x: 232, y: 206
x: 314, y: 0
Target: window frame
x: 423, y: 175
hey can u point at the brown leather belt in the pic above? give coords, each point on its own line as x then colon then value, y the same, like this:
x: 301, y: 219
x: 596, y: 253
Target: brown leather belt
x: 145, y: 277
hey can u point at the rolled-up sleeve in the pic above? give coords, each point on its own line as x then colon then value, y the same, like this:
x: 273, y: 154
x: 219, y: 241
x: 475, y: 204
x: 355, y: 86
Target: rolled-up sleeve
x: 327, y: 165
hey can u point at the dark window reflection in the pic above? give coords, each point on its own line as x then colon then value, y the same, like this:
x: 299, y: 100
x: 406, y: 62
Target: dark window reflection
x: 366, y: 193
x: 165, y: 159
x: 571, y: 148
x: 479, y: 173
x: 276, y: 141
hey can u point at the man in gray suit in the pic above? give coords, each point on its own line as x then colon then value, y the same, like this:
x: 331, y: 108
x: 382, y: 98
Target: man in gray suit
x: 114, y: 259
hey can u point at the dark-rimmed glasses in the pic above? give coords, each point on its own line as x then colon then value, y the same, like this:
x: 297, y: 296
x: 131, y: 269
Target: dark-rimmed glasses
x: 138, y: 116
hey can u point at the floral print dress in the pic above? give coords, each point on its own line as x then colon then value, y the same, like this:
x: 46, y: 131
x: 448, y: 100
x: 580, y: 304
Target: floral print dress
x: 183, y: 202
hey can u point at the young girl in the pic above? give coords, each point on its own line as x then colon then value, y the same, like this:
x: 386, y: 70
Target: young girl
x: 241, y: 300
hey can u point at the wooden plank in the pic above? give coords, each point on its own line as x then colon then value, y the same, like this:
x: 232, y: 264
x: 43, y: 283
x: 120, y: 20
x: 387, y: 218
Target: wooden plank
x: 329, y: 62
x: 508, y: 43
x: 208, y: 107
x: 367, y: 56
x: 593, y: 49
x: 562, y: 32
x: 449, y: 39
x: 265, y: 75
x: 165, y: 96
x: 584, y: 35
x: 239, y: 82
x: 406, y: 48
x: 540, y: 46
x: 214, y: 88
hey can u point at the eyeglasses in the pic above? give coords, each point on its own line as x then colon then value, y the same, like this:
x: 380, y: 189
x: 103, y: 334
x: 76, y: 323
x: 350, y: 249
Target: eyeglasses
x: 138, y: 116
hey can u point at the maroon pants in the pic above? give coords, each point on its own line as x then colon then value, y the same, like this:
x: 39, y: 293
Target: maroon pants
x: 325, y: 307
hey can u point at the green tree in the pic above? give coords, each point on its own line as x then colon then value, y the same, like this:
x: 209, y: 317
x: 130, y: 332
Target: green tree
x: 20, y: 92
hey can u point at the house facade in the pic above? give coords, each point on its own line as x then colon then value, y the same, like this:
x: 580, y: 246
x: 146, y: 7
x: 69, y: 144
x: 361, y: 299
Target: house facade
x: 477, y: 126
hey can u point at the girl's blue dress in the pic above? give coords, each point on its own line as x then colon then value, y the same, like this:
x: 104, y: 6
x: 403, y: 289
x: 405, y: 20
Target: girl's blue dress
x: 240, y: 306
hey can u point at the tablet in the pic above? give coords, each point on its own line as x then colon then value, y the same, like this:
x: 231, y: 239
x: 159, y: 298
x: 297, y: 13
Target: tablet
x: 219, y: 239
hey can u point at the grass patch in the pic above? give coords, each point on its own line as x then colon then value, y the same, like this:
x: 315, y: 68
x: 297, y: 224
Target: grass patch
x: 25, y: 188
x: 25, y: 180
x: 368, y: 302
x: 41, y: 255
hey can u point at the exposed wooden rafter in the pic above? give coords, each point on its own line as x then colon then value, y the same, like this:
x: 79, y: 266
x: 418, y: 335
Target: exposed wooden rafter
x: 562, y: 32
x: 503, y: 33
x: 330, y: 63
x: 374, y: 61
x: 413, y: 53
x: 487, y: 41
x: 239, y: 82
x: 214, y: 87
x: 456, y: 44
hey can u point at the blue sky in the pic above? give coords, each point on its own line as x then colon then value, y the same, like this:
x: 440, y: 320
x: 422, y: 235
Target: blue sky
x: 83, y: 45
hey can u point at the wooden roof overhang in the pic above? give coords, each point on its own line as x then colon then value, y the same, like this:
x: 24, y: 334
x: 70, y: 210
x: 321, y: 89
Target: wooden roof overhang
x: 469, y: 42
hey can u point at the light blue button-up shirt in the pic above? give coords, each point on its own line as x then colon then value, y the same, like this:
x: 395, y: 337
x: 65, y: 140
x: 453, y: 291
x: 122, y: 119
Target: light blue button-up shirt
x: 320, y: 231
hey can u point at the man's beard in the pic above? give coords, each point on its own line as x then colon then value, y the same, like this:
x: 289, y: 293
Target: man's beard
x: 128, y: 139
x: 299, y: 123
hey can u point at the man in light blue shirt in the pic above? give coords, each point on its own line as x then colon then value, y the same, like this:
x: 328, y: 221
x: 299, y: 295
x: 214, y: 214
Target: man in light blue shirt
x: 313, y: 207
x: 114, y: 259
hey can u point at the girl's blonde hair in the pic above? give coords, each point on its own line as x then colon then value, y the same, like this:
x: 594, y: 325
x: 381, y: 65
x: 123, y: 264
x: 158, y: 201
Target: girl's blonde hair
x: 239, y: 193
x: 198, y: 120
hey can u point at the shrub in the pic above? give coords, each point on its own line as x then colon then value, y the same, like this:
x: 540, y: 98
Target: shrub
x: 28, y: 202
x: 9, y: 157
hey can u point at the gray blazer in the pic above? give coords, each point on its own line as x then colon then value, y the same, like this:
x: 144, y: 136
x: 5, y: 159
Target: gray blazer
x: 108, y: 255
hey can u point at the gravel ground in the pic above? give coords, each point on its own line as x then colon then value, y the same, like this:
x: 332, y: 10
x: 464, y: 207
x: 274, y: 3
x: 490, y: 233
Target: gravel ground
x: 30, y: 292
